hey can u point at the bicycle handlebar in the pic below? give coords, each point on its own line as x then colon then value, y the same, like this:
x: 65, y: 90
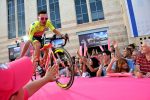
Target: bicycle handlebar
x: 66, y: 37
x: 55, y: 37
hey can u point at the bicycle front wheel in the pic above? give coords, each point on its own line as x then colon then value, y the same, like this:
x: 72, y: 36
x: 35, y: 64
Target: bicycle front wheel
x: 66, y: 68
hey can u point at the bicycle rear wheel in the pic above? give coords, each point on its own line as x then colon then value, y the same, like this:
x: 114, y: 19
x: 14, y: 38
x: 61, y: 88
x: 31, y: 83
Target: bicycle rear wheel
x: 66, y: 68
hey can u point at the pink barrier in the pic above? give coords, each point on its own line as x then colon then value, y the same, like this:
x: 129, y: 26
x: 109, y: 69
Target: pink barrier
x: 108, y: 88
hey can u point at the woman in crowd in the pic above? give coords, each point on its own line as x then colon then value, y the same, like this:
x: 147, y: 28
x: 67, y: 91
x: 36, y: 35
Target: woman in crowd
x: 119, y: 66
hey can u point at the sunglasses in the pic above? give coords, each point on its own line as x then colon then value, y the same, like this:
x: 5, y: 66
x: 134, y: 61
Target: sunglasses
x: 43, y: 18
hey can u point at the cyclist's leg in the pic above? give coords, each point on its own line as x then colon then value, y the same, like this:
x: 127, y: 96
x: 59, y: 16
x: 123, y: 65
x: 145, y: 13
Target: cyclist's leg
x: 45, y: 56
x: 37, y: 41
x: 25, y: 48
x: 36, y: 57
x: 37, y: 46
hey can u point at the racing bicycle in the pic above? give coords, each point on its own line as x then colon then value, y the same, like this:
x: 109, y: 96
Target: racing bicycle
x: 57, y: 54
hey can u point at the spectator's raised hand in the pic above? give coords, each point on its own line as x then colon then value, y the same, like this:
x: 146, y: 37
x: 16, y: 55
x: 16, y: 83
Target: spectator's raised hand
x: 115, y: 44
x: 51, y: 73
x: 113, y: 60
x: 78, y: 53
x: 84, y: 59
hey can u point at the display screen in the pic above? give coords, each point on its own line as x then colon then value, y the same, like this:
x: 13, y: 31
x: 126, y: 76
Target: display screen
x: 58, y: 42
x: 94, y: 38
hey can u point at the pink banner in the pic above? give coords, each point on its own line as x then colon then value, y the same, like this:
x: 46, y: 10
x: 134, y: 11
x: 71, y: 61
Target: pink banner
x: 101, y: 48
x: 80, y: 50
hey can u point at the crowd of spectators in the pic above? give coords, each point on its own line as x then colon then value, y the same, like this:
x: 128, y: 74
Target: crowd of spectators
x: 132, y: 60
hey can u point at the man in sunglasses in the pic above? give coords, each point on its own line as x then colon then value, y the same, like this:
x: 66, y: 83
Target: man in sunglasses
x: 36, y: 31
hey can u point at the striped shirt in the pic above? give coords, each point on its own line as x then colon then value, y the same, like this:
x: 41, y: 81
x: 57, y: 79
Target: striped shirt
x: 143, y: 62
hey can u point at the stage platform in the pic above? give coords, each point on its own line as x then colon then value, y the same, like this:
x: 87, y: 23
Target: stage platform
x: 106, y: 88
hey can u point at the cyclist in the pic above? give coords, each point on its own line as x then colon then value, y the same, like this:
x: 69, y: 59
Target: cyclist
x: 36, y: 31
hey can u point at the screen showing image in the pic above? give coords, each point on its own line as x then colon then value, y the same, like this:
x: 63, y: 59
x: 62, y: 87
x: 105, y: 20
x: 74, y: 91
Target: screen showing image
x: 58, y: 42
x: 94, y: 38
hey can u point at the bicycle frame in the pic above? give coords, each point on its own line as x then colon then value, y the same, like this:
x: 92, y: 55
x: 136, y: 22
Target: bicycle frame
x: 50, y: 53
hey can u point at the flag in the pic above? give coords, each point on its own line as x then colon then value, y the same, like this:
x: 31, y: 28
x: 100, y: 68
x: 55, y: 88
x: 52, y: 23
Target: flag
x: 85, y: 48
x: 80, y: 50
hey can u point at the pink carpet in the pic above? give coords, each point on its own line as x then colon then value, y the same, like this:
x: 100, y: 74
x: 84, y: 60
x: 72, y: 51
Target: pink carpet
x: 98, y: 89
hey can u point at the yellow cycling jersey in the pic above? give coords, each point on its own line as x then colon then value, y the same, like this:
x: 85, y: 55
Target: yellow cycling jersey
x: 38, y: 30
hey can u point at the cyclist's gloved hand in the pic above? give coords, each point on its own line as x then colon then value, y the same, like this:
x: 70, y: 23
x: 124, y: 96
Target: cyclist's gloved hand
x: 59, y: 36
x: 63, y: 36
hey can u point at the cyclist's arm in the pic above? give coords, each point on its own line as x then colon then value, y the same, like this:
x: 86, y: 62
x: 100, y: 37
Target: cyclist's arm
x: 56, y: 32
x: 50, y: 25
